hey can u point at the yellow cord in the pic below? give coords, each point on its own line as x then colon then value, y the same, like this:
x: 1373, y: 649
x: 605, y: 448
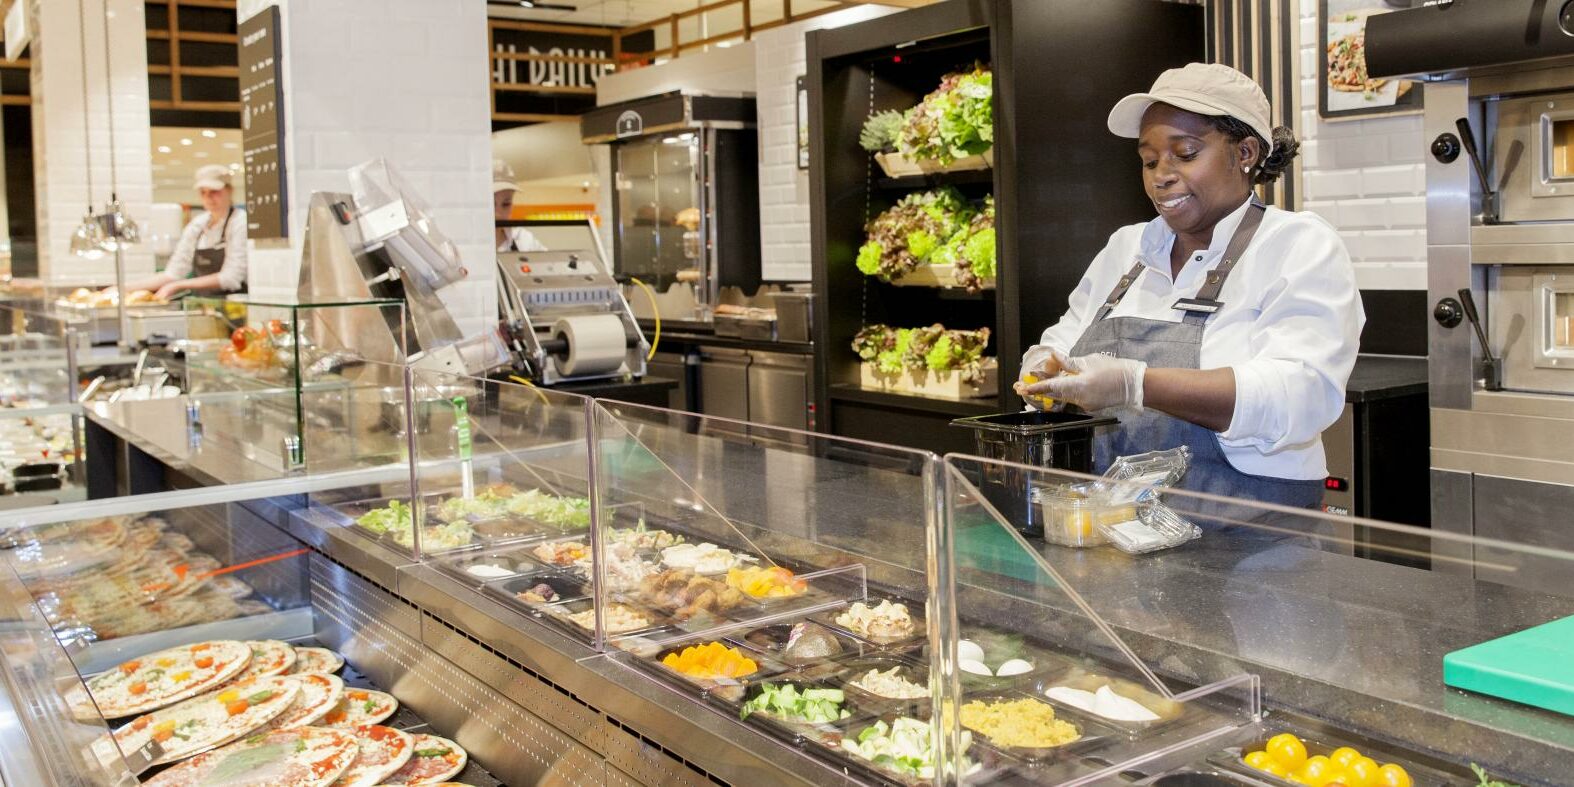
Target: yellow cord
x: 656, y: 339
x: 532, y: 386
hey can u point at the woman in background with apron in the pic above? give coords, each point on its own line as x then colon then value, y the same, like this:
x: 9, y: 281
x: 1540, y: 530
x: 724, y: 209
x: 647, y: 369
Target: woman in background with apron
x: 210, y: 258
x: 1221, y: 325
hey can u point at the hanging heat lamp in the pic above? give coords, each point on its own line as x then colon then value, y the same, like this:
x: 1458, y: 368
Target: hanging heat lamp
x: 118, y: 230
x: 87, y: 241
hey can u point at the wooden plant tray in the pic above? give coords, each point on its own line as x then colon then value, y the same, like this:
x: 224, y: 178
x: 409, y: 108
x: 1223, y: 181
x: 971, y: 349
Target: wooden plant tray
x: 897, y: 165
x: 946, y: 385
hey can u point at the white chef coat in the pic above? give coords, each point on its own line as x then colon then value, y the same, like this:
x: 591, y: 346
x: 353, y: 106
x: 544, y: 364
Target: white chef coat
x: 1290, y: 328
x: 519, y: 239
x: 198, y: 235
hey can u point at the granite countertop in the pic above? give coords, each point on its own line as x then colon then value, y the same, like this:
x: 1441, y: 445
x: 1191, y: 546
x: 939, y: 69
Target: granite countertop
x: 1385, y: 377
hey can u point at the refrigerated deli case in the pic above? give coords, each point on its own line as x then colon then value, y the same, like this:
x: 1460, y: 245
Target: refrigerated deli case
x: 609, y: 593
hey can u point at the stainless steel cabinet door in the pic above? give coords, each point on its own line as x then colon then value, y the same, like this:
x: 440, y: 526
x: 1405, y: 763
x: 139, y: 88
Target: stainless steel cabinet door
x: 724, y: 383
x: 779, y: 390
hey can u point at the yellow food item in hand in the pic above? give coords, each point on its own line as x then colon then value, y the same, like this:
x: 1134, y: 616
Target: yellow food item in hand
x: 1043, y: 400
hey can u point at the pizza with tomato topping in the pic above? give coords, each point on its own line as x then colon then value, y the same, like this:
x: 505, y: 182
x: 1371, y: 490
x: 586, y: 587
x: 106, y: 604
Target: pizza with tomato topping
x: 318, y: 695
x: 434, y: 761
x: 166, y: 677
x: 268, y: 657
x: 211, y: 720
x: 302, y: 757
x: 384, y: 750
x: 317, y: 660
x: 360, y: 707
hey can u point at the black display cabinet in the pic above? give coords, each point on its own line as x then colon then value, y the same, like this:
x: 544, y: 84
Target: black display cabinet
x: 1062, y: 183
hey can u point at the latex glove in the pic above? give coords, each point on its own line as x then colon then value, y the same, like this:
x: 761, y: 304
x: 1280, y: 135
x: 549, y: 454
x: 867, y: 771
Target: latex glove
x: 1097, y: 382
x: 1040, y: 363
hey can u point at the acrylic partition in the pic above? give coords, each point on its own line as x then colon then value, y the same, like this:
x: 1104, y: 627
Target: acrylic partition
x: 51, y: 739
x: 502, y: 476
x: 775, y: 576
x: 162, y: 603
x: 295, y: 385
x: 40, y: 420
x: 1150, y: 631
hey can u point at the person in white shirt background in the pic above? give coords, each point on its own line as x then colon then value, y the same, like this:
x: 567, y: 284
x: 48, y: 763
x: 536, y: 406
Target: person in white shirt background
x: 503, y: 190
x: 1220, y: 325
x: 210, y: 256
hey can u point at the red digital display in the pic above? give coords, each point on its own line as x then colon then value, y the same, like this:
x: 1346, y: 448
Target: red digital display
x: 1336, y: 484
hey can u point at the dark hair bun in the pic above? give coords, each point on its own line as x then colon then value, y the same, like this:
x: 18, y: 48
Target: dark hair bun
x: 1283, y: 151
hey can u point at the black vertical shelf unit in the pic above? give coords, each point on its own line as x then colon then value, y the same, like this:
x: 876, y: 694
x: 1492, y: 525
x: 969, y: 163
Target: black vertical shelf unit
x: 1062, y: 183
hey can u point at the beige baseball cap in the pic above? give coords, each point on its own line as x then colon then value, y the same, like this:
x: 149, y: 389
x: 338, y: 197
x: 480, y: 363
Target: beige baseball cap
x: 502, y: 176
x: 1205, y: 88
x: 213, y: 176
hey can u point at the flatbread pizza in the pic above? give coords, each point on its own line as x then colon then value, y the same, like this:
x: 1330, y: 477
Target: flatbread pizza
x: 359, y: 707
x: 211, y: 720
x: 166, y: 677
x: 384, y: 750
x: 434, y: 760
x: 318, y: 695
x: 302, y: 757
x: 268, y: 657
x: 317, y: 660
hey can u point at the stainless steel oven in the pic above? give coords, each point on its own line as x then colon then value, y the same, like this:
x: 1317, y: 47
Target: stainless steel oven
x: 1499, y: 132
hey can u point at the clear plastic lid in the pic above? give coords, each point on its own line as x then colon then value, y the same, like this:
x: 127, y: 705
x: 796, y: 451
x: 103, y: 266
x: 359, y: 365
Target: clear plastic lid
x: 1155, y: 527
x: 1134, y: 477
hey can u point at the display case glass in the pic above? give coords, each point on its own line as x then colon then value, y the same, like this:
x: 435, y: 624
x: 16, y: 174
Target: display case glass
x: 763, y: 573
x: 659, y: 202
x: 1161, y: 634
x: 40, y: 421
x: 296, y: 386
x: 157, y: 602
x: 499, y: 469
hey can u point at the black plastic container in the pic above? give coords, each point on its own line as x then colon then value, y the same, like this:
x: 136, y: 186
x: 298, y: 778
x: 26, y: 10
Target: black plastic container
x: 1059, y: 440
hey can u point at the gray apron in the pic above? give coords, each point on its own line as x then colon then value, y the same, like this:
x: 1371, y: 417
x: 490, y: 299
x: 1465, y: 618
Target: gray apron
x: 1174, y: 345
x: 211, y: 260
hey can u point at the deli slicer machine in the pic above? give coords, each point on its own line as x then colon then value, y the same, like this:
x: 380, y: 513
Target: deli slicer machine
x: 564, y: 314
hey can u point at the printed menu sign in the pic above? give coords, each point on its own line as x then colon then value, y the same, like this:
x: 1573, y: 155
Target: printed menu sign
x: 262, y: 125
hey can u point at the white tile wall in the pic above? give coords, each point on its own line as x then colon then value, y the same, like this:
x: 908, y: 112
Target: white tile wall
x: 780, y: 58
x: 62, y: 152
x: 1366, y: 177
x: 420, y: 101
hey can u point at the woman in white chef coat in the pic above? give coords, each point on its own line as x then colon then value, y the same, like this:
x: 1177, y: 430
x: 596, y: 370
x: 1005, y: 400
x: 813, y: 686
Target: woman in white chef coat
x: 1222, y: 324
x: 210, y: 257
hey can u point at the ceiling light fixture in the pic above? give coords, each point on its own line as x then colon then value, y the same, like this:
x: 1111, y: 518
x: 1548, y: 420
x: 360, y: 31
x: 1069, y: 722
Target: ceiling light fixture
x: 185, y: 140
x: 86, y: 237
x: 209, y: 133
x: 163, y: 148
x: 119, y: 230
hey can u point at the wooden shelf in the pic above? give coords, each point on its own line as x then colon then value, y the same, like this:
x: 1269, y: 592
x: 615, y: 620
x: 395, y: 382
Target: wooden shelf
x: 934, y: 179
x: 957, y: 407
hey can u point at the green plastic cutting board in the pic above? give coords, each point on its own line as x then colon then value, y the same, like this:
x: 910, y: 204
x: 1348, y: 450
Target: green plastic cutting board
x: 1534, y: 666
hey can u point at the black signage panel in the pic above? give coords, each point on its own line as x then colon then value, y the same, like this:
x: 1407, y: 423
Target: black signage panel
x: 262, y: 125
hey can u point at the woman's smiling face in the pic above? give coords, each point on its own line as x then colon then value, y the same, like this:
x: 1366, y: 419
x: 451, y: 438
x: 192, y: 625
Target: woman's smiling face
x: 1192, y: 171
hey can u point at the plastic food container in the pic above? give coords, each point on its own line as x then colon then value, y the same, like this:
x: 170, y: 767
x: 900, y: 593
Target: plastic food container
x: 1037, y: 438
x: 1074, y: 515
x: 1156, y: 527
x: 1132, y: 478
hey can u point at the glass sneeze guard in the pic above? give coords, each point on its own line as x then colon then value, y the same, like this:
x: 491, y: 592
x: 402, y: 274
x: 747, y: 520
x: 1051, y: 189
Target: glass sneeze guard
x: 769, y: 575
x: 1191, y: 660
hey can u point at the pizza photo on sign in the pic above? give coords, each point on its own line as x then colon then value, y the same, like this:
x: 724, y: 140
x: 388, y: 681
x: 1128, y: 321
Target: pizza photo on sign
x: 1346, y: 88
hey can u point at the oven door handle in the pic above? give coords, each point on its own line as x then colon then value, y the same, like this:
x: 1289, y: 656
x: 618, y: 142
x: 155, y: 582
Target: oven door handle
x: 1491, y: 370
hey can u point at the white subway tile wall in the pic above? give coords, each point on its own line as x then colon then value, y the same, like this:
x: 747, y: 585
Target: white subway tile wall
x: 780, y: 58
x: 60, y: 165
x: 1367, y: 178
x: 420, y: 105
